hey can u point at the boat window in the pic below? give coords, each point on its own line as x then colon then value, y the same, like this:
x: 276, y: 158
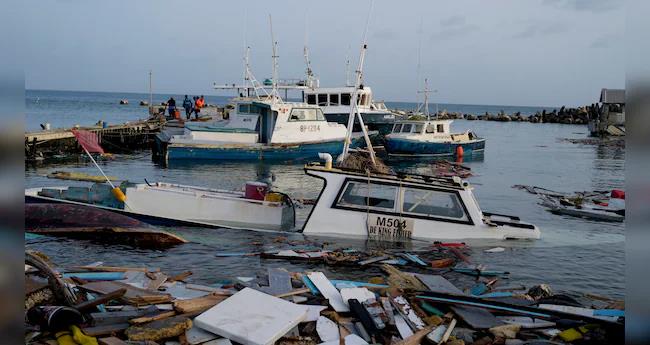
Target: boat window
x: 397, y: 128
x: 418, y: 129
x: 322, y: 99
x: 311, y: 99
x: 306, y: 114
x: 407, y: 128
x: 441, y: 128
x: 363, y: 195
x: 334, y: 99
x: 254, y: 109
x: 243, y: 108
x: 431, y: 128
x: 432, y: 203
x: 345, y: 99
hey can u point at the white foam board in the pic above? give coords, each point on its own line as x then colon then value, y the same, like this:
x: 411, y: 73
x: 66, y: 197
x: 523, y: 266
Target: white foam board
x: 328, y: 291
x: 251, y: 317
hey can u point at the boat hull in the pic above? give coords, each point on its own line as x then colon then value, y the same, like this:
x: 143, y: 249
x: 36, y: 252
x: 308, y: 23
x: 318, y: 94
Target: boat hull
x: 400, y: 146
x: 301, y: 151
x: 381, y: 122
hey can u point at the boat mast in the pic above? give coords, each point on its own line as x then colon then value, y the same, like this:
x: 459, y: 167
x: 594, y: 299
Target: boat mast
x: 274, y: 92
x: 354, y: 108
x: 150, y: 91
x: 426, y: 93
x: 347, y: 68
x: 310, y: 73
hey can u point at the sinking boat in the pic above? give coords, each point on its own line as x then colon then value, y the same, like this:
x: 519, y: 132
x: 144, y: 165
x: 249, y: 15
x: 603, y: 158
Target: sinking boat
x: 173, y: 204
x: 429, y: 138
x: 401, y: 207
x: 612, y: 211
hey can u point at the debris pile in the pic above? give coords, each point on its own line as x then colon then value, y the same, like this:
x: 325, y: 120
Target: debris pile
x: 97, y: 304
x: 597, y: 205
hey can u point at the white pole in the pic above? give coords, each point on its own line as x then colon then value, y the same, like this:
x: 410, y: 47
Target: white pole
x: 100, y: 169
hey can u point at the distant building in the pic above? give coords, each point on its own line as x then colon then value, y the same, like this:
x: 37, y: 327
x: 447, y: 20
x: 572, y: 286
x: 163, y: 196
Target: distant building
x: 609, y: 116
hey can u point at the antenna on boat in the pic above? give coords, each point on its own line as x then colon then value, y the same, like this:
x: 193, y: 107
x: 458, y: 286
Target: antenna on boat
x: 310, y: 73
x: 150, y: 92
x: 274, y: 92
x: 251, y: 78
x: 426, y: 93
x: 347, y: 68
x: 354, y: 107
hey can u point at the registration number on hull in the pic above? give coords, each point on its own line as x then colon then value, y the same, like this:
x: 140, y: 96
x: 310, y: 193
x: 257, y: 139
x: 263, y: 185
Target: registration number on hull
x: 386, y: 227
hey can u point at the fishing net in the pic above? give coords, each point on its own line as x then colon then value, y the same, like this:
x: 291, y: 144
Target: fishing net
x: 361, y: 161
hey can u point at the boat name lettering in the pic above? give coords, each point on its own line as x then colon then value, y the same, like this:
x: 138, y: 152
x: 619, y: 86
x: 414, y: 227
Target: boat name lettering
x: 310, y: 128
x: 389, y: 227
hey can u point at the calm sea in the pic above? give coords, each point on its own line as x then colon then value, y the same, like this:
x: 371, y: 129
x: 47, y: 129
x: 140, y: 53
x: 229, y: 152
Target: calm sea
x: 573, y: 255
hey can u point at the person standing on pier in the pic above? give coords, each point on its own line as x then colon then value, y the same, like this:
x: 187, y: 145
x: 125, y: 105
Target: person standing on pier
x: 187, y: 104
x: 171, y: 106
x: 198, y: 104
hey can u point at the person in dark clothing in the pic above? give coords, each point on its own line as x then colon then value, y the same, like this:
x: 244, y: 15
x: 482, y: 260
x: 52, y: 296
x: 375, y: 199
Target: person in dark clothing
x: 187, y: 105
x: 171, y: 106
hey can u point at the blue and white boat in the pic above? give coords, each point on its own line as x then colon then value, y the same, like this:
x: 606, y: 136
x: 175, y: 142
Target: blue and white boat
x: 429, y: 138
x: 261, y: 129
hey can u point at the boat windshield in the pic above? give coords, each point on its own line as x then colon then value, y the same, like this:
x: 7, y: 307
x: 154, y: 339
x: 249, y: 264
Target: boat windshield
x: 397, y: 128
x: 306, y: 114
x: 407, y: 128
x: 432, y: 203
x: 365, y: 195
x: 418, y: 129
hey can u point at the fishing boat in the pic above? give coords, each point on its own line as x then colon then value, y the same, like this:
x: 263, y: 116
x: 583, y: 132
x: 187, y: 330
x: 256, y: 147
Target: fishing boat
x: 261, y: 129
x: 429, y: 138
x: 335, y: 102
x: 389, y: 207
x: 162, y: 203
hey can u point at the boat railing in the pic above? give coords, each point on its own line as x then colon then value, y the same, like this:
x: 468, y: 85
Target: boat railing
x: 209, y: 193
x: 453, y: 182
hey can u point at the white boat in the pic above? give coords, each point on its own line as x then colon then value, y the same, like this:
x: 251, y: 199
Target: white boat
x: 363, y: 204
x: 421, y: 138
x: 390, y: 207
x: 260, y: 129
x: 335, y: 102
x: 613, y: 212
x: 429, y: 138
x: 168, y: 204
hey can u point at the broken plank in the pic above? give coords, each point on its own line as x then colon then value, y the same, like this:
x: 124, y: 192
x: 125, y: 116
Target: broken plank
x: 159, y: 279
x: 373, y: 260
x: 328, y: 291
x: 197, y: 304
x: 294, y: 292
x: 105, y: 329
x: 160, y: 316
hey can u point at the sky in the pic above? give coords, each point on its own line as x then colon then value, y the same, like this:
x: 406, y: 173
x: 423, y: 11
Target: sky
x: 502, y: 52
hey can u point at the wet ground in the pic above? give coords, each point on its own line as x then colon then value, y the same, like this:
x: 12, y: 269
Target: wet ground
x: 573, y: 255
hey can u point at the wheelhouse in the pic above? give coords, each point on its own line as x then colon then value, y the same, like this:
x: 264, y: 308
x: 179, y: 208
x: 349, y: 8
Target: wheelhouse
x: 421, y: 127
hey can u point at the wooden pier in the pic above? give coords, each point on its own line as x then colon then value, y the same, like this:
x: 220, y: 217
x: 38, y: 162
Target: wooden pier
x: 122, y: 138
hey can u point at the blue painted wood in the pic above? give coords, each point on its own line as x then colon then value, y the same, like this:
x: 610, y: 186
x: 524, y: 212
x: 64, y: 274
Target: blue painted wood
x: 486, y: 305
x: 309, y: 284
x: 498, y: 294
x: 356, y: 284
x: 91, y: 276
x: 609, y: 312
x: 414, y: 258
x: 415, y: 147
x: 475, y: 272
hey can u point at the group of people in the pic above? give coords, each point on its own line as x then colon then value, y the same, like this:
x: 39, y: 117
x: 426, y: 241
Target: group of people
x: 190, y: 106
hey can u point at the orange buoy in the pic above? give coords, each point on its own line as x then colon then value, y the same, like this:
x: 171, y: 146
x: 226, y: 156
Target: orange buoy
x: 459, y: 151
x: 117, y: 193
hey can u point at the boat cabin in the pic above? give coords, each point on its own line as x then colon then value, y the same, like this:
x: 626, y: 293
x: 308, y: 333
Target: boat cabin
x: 265, y: 122
x: 391, y: 207
x: 422, y: 127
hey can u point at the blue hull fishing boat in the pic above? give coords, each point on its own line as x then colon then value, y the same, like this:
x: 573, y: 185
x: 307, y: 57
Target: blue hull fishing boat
x: 430, y: 138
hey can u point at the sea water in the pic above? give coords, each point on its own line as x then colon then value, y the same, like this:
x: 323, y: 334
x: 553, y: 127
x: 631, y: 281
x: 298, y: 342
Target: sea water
x: 573, y: 255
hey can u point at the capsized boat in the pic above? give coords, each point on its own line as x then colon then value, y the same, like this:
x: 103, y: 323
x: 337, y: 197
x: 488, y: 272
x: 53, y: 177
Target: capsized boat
x: 401, y: 207
x: 174, y: 204
x: 612, y: 210
x: 422, y: 138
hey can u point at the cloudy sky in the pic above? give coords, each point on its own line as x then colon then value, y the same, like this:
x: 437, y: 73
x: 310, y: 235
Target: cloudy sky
x: 506, y: 52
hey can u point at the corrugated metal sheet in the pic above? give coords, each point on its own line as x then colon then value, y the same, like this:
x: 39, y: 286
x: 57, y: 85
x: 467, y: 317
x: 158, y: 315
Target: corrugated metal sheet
x: 610, y: 96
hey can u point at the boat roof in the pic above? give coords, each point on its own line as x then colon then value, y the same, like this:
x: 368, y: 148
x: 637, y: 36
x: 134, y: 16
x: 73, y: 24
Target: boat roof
x: 435, y: 181
x: 344, y: 89
x: 434, y: 121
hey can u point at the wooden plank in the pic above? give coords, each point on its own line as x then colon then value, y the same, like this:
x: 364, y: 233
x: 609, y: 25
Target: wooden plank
x: 328, y: 291
x: 105, y: 329
x: 104, y: 318
x: 111, y: 341
x: 159, y: 279
x: 133, y: 295
x: 160, y: 316
x: 294, y: 292
x: 373, y: 260
x: 197, y: 304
